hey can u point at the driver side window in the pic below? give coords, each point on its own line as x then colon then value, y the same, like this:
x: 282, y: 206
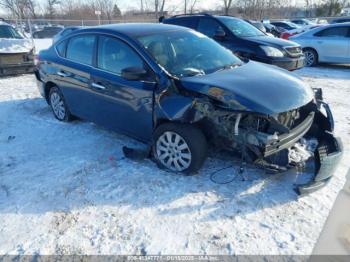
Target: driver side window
x: 114, y: 55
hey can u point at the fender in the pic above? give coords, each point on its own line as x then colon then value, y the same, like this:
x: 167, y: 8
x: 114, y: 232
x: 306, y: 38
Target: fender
x: 175, y: 108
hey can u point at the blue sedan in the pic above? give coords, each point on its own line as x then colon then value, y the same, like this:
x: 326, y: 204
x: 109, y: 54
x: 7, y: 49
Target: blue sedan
x: 177, y: 91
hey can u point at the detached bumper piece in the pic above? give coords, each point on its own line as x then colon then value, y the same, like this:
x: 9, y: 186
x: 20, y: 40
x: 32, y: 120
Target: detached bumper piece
x: 327, y: 157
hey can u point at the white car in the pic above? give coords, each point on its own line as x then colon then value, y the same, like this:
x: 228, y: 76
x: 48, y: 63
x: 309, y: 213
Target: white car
x: 16, y: 51
x: 326, y: 44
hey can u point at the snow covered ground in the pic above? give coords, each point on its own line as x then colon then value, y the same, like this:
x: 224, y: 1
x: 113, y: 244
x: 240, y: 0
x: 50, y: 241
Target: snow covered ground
x: 65, y: 188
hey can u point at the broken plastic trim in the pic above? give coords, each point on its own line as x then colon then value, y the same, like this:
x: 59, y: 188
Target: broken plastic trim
x: 327, y: 157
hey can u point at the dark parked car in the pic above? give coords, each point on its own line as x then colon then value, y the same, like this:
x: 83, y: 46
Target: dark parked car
x: 243, y: 39
x: 178, y: 90
x: 340, y: 20
x: 65, y: 32
x: 48, y: 32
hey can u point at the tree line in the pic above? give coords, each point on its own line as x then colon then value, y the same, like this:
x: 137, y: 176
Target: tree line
x: 110, y: 10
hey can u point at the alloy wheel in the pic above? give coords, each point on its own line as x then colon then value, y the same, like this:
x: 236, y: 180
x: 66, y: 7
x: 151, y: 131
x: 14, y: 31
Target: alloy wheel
x: 58, y: 106
x: 309, y: 58
x: 173, y: 151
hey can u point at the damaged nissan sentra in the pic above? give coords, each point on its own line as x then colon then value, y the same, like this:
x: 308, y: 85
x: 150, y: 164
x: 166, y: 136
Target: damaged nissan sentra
x: 179, y: 91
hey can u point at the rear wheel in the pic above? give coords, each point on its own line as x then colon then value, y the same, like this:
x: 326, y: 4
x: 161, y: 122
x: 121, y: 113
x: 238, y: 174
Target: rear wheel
x: 179, y: 147
x: 311, y: 57
x: 58, y: 105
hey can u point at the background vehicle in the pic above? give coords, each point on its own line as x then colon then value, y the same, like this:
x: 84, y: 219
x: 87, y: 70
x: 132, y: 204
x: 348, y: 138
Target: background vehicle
x: 47, y: 32
x: 289, y: 33
x: 340, y: 20
x: 272, y: 29
x: 65, y: 32
x: 244, y: 39
x: 16, y: 52
x: 257, y: 24
x: 285, y: 25
x: 326, y: 44
x: 302, y: 22
x: 177, y: 90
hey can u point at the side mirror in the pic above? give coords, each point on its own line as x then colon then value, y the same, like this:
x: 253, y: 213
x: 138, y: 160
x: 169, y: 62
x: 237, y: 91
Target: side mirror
x: 134, y: 73
x: 219, y: 33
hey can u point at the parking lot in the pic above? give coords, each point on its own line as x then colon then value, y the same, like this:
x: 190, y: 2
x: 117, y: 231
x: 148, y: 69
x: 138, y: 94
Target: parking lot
x: 66, y: 188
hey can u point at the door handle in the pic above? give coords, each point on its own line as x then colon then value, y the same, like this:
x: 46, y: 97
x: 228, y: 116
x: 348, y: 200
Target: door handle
x: 62, y: 74
x: 98, y: 86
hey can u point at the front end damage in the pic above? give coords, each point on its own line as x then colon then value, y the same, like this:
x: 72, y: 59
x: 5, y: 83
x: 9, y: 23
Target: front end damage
x: 277, y: 142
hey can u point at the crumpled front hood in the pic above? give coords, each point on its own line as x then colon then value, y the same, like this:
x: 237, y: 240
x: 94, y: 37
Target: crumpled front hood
x: 13, y: 46
x: 254, y: 87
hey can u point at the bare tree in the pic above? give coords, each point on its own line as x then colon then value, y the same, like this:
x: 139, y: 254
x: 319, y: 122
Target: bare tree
x: 20, y: 8
x: 51, y: 7
x: 227, y: 6
x: 141, y: 6
x: 189, y: 6
x: 159, y: 7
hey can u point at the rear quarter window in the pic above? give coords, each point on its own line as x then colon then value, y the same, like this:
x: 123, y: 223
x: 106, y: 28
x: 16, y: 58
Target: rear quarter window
x: 61, y: 48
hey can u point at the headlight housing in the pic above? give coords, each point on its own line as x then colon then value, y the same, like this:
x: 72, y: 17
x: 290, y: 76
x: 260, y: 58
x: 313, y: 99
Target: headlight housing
x: 272, y: 51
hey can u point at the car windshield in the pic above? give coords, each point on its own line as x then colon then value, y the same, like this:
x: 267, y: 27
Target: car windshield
x: 188, y: 53
x: 240, y: 28
x: 7, y: 31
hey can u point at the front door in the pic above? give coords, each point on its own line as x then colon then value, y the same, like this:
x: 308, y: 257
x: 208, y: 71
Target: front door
x: 121, y: 104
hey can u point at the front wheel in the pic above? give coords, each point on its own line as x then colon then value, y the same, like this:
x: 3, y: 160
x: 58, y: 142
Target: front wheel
x: 179, y: 147
x: 58, y: 105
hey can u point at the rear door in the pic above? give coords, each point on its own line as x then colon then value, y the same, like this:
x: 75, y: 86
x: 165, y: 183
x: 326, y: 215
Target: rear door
x: 72, y: 74
x: 332, y: 44
x: 121, y: 104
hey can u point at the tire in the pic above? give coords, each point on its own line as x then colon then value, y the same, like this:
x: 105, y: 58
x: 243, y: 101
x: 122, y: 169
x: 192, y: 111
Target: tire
x: 58, y: 105
x: 311, y: 57
x: 188, y: 149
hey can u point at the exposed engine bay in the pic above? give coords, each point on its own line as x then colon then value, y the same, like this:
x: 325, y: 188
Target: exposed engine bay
x: 277, y: 142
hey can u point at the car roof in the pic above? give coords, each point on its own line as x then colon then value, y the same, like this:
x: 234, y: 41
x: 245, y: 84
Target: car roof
x: 338, y: 24
x: 4, y: 23
x: 133, y: 29
x: 341, y: 18
x: 200, y: 15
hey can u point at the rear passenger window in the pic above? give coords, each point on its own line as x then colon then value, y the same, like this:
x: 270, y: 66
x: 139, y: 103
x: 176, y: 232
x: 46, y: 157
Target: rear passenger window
x: 208, y: 26
x: 81, y: 48
x: 61, y: 48
x: 114, y: 55
x: 334, y: 32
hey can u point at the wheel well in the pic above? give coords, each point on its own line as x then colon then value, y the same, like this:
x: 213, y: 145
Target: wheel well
x: 201, y: 125
x: 48, y: 87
